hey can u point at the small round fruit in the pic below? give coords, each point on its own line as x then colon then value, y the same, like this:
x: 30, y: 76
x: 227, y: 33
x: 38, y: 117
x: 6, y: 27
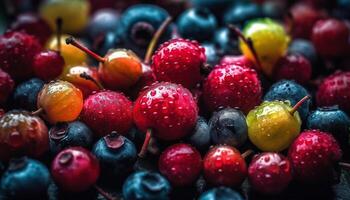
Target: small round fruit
x: 200, y: 137
x: 26, y: 94
x: 6, y: 86
x: 221, y: 193
x: 48, y: 65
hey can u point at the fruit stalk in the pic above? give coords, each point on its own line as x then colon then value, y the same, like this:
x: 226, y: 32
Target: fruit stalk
x: 145, y: 143
x: 104, y: 193
x: 75, y: 43
x: 38, y: 112
x: 247, y: 153
x: 297, y: 105
x: 86, y: 76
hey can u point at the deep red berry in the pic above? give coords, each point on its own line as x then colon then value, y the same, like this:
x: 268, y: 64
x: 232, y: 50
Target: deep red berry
x: 232, y: 86
x: 107, y: 111
x: 237, y: 60
x: 313, y: 155
x: 6, y: 86
x: 166, y: 108
x: 2, y: 112
x: 335, y: 90
x: 179, y: 61
x: 146, y: 79
x: 75, y: 169
x: 269, y: 173
x: 224, y: 165
x: 331, y: 37
x: 17, y: 51
x: 48, y: 65
x: 290, y: 67
x: 181, y: 164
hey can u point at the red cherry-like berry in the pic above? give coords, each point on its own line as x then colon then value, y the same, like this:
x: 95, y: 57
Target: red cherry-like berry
x: 107, y: 111
x: 17, y: 51
x: 166, y: 108
x: 6, y: 86
x: 237, y: 60
x: 291, y: 66
x: 181, y: 164
x: 179, y: 61
x: 232, y: 86
x: 335, y: 90
x: 75, y: 169
x: 48, y: 65
x: 313, y: 155
x: 224, y: 166
x: 269, y: 173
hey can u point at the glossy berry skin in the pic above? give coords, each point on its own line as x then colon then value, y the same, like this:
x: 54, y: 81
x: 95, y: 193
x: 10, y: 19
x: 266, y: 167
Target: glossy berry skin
x: 331, y: 37
x: 26, y: 94
x: 239, y: 13
x: 305, y: 48
x: 237, y: 60
x: 290, y: 66
x: 181, y: 164
x: 226, y: 42
x: 144, y: 185
x: 17, y: 52
x: 211, y: 53
x: 334, y: 90
x: 291, y: 91
x: 107, y: 111
x: 228, y: 126
x: 102, y: 21
x: 179, y: 61
x: 166, y: 108
x: 197, y: 24
x: 22, y: 134
x: 271, y: 126
x: 224, y: 166
x: 48, y: 65
x: 221, y: 193
x: 75, y: 169
x: 331, y: 120
x: 270, y: 173
x: 232, y: 86
x: 71, y: 134
x: 61, y: 101
x: 313, y: 155
x: 25, y: 178
x: 116, y: 155
x: 6, y: 86
x: 32, y: 24
x: 200, y: 137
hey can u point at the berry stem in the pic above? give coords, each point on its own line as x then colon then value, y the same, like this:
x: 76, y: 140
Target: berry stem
x: 86, y: 76
x: 75, y: 43
x: 104, y: 193
x: 247, y: 153
x: 38, y: 112
x: 297, y: 105
x: 145, y: 143
x: 248, y: 42
x: 289, y: 22
x: 59, y: 23
x: 344, y: 165
x: 155, y: 40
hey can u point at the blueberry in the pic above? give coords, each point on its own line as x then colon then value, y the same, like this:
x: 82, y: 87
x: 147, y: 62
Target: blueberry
x: 197, y: 23
x: 102, y: 22
x: 64, y: 135
x: 240, y: 13
x: 290, y: 91
x: 117, y: 156
x: 273, y: 9
x: 305, y: 48
x: 228, y: 126
x: 332, y: 120
x: 226, y: 42
x: 221, y: 193
x: 216, y: 6
x: 25, y: 179
x: 200, y: 137
x: 211, y: 53
x: 144, y: 185
x: 25, y: 94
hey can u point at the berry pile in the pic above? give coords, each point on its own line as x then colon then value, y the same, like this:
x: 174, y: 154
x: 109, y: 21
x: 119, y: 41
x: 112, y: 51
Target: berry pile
x: 158, y: 100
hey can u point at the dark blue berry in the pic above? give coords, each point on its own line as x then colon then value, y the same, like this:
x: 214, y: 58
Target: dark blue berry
x: 226, y: 42
x: 144, y: 185
x: 305, y: 48
x: 64, y: 135
x: 200, y: 137
x: 102, y: 22
x: 228, y: 126
x: 116, y: 155
x: 216, y: 6
x: 221, y: 193
x: 290, y: 91
x: 25, y: 94
x: 25, y: 179
x: 211, y: 53
x: 273, y: 9
x: 197, y: 24
x: 240, y: 13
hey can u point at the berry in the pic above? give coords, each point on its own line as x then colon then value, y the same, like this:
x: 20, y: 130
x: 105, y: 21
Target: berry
x: 228, y: 126
x: 48, y: 65
x: 179, y: 61
x: 166, y: 108
x: 25, y: 178
x: 102, y: 21
x: 26, y: 94
x: 181, y: 164
x: 6, y: 86
x: 211, y: 53
x: 226, y: 42
x: 17, y: 52
x: 232, y: 86
x: 270, y: 173
x: 200, y: 137
x: 107, y: 111
x: 146, y: 186
x: 116, y: 155
x: 221, y: 193
x: 224, y: 165
x: 22, y: 134
x: 305, y: 48
x: 75, y: 169
x: 240, y: 13
x: 313, y: 155
x: 237, y: 60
